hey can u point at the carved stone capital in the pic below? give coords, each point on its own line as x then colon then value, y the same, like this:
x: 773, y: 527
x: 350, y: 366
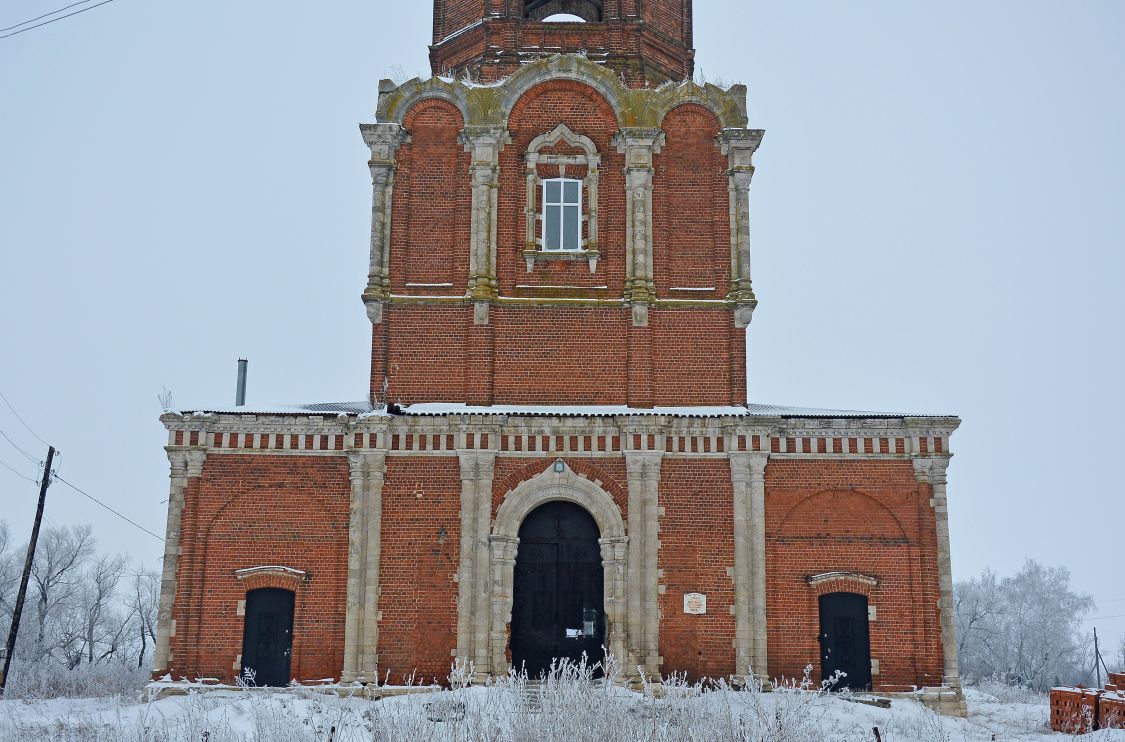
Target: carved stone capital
x: 739, y: 143
x: 484, y: 143
x: 931, y: 469
x: 384, y: 141
x: 638, y: 144
x: 195, y: 460
x: 477, y: 466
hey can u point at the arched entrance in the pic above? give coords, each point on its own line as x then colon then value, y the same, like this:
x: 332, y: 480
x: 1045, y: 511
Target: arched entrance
x: 551, y: 486
x: 267, y: 639
x: 845, y: 642
x: 558, y: 588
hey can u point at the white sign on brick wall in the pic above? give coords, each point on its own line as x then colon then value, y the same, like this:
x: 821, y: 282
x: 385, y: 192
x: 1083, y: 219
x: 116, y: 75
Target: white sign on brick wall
x: 695, y: 604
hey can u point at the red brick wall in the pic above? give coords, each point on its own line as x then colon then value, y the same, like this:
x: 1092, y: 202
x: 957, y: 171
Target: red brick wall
x: 853, y: 516
x: 696, y: 548
x: 432, y: 203
x: 691, y: 207
x: 586, y: 112
x: 552, y: 354
x: 249, y: 511
x: 418, y: 594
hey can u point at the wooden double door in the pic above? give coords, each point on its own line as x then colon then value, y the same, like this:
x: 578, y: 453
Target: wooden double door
x: 558, y: 608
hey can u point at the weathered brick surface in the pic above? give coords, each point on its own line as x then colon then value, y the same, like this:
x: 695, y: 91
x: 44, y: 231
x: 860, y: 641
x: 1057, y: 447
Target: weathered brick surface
x: 249, y: 511
x: 418, y: 599
x: 691, y: 248
x: 696, y: 549
x: 868, y: 517
x: 646, y: 43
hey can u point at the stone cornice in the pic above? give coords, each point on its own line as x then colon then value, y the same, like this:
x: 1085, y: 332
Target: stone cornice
x: 634, y: 107
x: 919, y: 439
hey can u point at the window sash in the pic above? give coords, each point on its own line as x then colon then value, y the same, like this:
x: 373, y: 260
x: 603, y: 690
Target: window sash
x: 561, y: 214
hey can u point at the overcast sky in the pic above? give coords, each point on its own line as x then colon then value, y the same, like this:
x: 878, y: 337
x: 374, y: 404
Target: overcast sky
x: 937, y: 226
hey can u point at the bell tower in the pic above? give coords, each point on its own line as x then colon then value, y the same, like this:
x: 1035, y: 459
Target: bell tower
x: 647, y: 42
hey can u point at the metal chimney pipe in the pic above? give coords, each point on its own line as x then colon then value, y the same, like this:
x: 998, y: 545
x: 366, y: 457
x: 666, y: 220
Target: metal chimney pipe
x: 240, y: 392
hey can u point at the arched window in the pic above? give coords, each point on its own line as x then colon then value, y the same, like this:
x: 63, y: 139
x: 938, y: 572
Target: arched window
x: 585, y: 10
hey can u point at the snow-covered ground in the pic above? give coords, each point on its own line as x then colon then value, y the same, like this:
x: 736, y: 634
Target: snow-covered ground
x: 569, y: 710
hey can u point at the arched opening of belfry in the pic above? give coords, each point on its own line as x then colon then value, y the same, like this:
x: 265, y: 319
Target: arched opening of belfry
x: 586, y: 10
x: 558, y: 609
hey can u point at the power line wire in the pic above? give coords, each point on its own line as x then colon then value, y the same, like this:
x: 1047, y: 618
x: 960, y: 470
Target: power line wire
x: 45, y: 15
x: 13, y: 471
x: 107, y: 507
x: 13, y: 409
x: 26, y: 455
x: 61, y: 17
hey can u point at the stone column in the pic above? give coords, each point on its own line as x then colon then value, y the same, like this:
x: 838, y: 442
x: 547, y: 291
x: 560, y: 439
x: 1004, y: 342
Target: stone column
x: 474, y: 590
x: 483, y: 143
x: 748, y: 480
x: 739, y: 146
x: 384, y: 140
x: 643, y: 574
x: 639, y: 146
x: 361, y: 623
x: 932, y: 470
x: 185, y: 464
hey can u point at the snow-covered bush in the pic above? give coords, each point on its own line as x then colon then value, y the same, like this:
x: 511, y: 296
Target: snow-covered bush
x: 50, y: 679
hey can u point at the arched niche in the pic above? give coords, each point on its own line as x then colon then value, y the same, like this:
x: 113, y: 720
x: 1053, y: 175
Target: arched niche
x: 590, y: 11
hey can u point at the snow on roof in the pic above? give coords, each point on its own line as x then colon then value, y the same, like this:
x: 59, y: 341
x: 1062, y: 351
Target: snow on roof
x: 444, y: 409
x: 320, y: 408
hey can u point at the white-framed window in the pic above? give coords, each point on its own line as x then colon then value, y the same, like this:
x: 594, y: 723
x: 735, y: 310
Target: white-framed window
x: 562, y: 214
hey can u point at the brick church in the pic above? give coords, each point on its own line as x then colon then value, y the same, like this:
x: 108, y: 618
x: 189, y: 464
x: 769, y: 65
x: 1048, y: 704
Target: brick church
x: 557, y: 453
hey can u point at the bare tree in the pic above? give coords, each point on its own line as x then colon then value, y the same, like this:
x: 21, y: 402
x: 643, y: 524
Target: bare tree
x: 142, y: 602
x: 1025, y: 629
x: 1121, y: 656
x: 100, y: 582
x: 59, y: 560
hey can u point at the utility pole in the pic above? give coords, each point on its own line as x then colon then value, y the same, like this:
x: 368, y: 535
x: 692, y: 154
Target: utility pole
x: 27, y: 569
x: 1097, y: 658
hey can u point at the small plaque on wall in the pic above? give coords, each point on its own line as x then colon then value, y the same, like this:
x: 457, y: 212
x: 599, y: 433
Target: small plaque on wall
x: 695, y: 604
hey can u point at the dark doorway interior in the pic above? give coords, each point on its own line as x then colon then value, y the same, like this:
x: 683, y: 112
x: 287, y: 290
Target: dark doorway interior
x: 845, y: 642
x: 267, y: 640
x: 558, y: 608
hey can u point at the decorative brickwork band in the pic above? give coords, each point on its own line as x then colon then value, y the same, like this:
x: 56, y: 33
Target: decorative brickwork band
x: 569, y: 486
x: 361, y: 622
x: 473, y: 607
x: 185, y: 464
x: 644, y: 544
x: 384, y: 140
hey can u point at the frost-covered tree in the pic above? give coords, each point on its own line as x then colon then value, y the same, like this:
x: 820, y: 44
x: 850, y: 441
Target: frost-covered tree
x: 60, y: 559
x: 1025, y: 629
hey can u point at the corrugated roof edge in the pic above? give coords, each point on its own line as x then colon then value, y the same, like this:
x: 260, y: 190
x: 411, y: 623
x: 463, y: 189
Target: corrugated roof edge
x: 439, y: 409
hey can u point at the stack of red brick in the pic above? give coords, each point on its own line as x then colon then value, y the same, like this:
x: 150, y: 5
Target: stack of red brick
x: 1082, y: 710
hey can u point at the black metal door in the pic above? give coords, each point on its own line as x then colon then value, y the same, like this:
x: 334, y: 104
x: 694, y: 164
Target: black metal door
x: 558, y: 607
x: 267, y: 639
x: 845, y: 643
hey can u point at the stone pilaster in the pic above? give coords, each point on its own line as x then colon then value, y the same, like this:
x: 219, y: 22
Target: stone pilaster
x: 502, y: 552
x: 185, y: 464
x: 748, y: 480
x: 643, y: 586
x: 932, y: 470
x: 361, y: 622
x: 384, y: 141
x: 639, y: 147
x: 739, y: 146
x: 483, y: 143
x: 474, y: 588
